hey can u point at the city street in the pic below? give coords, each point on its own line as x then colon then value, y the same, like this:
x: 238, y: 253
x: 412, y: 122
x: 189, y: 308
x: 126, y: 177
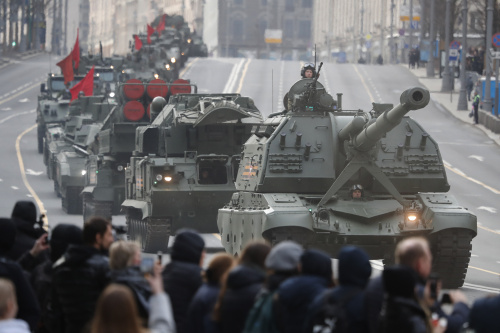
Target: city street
x: 472, y: 159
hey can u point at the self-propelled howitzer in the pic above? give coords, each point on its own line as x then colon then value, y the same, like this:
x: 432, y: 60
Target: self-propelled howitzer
x: 298, y: 169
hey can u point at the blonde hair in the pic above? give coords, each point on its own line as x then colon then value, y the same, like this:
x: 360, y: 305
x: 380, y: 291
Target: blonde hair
x: 7, y: 294
x: 121, y: 254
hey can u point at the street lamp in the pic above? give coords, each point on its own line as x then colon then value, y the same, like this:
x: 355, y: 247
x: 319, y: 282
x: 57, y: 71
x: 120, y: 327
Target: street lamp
x: 447, y: 77
x: 462, y: 99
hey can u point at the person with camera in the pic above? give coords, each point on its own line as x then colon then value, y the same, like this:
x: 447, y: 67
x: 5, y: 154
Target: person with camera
x: 415, y: 253
x: 81, y: 274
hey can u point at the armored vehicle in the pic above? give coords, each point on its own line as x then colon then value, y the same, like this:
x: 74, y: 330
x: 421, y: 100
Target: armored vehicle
x: 51, y: 109
x: 299, y: 167
x: 104, y: 189
x: 185, y: 165
x: 67, y: 156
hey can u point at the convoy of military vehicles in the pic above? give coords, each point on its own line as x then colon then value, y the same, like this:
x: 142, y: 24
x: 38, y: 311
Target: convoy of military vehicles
x: 148, y: 145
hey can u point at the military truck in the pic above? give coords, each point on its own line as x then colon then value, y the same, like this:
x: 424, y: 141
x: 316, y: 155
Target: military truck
x: 299, y: 167
x: 184, y: 165
x: 104, y: 189
x: 51, y: 109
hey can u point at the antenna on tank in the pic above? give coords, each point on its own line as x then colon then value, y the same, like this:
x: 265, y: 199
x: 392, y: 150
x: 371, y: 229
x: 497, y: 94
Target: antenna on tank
x: 314, y: 56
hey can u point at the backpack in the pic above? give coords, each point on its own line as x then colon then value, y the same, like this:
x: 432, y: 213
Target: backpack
x: 332, y: 316
x: 260, y: 319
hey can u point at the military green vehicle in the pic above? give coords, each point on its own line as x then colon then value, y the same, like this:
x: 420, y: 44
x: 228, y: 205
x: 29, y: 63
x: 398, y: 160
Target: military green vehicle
x: 299, y: 167
x: 185, y: 164
x: 51, y: 109
x: 67, y: 157
x: 104, y: 189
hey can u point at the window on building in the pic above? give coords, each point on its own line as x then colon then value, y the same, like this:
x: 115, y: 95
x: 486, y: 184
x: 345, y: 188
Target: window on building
x: 237, y: 28
x: 305, y: 29
x: 288, y: 29
x: 289, y: 5
x: 307, y: 3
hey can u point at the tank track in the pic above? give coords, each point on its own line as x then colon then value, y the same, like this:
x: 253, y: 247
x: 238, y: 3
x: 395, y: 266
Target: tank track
x: 451, y: 252
x: 152, y: 234
x: 40, y: 139
x: 72, y: 202
x: 92, y: 207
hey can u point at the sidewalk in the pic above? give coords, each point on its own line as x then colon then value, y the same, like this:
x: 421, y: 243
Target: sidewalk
x: 7, y: 60
x: 449, y: 101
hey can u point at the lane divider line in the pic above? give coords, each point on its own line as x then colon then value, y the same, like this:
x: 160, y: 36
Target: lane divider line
x: 217, y: 236
x: 484, y: 270
x: 19, y: 93
x: 232, y: 77
x: 39, y: 202
x: 15, y: 115
x: 364, y: 83
x: 181, y: 74
x: 240, y: 85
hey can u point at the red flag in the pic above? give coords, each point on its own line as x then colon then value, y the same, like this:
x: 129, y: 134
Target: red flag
x: 86, y: 85
x: 150, y: 32
x: 75, y: 54
x: 138, y: 42
x: 67, y: 68
x: 161, y: 26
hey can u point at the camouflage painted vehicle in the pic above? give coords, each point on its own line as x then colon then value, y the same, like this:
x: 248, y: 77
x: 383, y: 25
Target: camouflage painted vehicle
x: 50, y: 108
x: 185, y: 164
x: 104, y: 189
x: 299, y: 167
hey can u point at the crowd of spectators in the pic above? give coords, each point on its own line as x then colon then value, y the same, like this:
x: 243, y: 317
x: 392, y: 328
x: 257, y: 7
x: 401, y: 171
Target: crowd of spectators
x: 81, y: 280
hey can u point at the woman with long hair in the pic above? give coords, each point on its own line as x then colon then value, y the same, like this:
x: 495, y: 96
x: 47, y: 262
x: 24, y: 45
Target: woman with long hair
x: 116, y: 310
x: 240, y: 288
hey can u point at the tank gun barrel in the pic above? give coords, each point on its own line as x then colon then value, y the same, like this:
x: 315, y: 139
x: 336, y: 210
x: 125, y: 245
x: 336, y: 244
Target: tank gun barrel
x: 411, y: 99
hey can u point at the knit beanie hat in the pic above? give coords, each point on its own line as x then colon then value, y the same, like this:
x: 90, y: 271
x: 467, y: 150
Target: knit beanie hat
x: 188, y: 246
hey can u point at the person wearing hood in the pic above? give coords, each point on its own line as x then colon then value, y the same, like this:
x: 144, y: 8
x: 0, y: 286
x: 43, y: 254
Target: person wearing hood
x: 41, y: 275
x: 240, y: 288
x: 28, y: 231
x: 354, y: 271
x: 296, y: 294
x: 29, y: 310
x: 81, y: 274
x: 182, y: 276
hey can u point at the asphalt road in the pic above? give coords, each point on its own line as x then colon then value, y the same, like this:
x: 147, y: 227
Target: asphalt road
x: 472, y: 158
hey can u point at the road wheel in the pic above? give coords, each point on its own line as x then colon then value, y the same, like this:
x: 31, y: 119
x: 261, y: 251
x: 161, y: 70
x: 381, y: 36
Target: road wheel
x: 451, y: 251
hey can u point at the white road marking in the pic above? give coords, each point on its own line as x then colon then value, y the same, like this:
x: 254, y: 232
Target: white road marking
x: 1, y: 180
x: 229, y: 88
x: 15, y: 115
x: 24, y: 100
x: 477, y: 157
x: 481, y: 288
x: 488, y: 209
x: 14, y: 187
x: 5, y: 109
x: 474, y: 255
x: 29, y: 195
x: 33, y: 173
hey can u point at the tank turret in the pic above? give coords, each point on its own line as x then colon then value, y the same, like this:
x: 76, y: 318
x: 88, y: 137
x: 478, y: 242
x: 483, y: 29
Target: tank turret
x: 299, y: 167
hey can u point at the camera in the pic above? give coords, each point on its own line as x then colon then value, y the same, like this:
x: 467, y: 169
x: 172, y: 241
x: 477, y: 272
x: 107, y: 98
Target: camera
x: 433, y: 280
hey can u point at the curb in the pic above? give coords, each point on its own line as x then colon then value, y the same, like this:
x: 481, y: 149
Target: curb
x: 5, y: 61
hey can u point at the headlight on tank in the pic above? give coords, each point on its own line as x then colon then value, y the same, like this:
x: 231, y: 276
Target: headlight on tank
x: 159, y: 178
x: 84, y: 172
x: 119, y: 168
x: 156, y: 76
x: 111, y: 94
x: 167, y: 66
x: 168, y: 178
x: 412, y: 219
x: 172, y: 60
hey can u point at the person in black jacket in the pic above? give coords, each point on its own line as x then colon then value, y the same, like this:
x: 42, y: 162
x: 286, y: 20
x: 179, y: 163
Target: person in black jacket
x: 199, y: 316
x: 29, y: 310
x: 240, y: 288
x: 28, y: 229
x: 81, y: 274
x: 182, y: 276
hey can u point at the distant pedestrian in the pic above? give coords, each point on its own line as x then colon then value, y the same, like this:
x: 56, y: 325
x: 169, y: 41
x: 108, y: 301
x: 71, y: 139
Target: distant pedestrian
x: 182, y: 276
x: 470, y: 86
x: 475, y: 104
